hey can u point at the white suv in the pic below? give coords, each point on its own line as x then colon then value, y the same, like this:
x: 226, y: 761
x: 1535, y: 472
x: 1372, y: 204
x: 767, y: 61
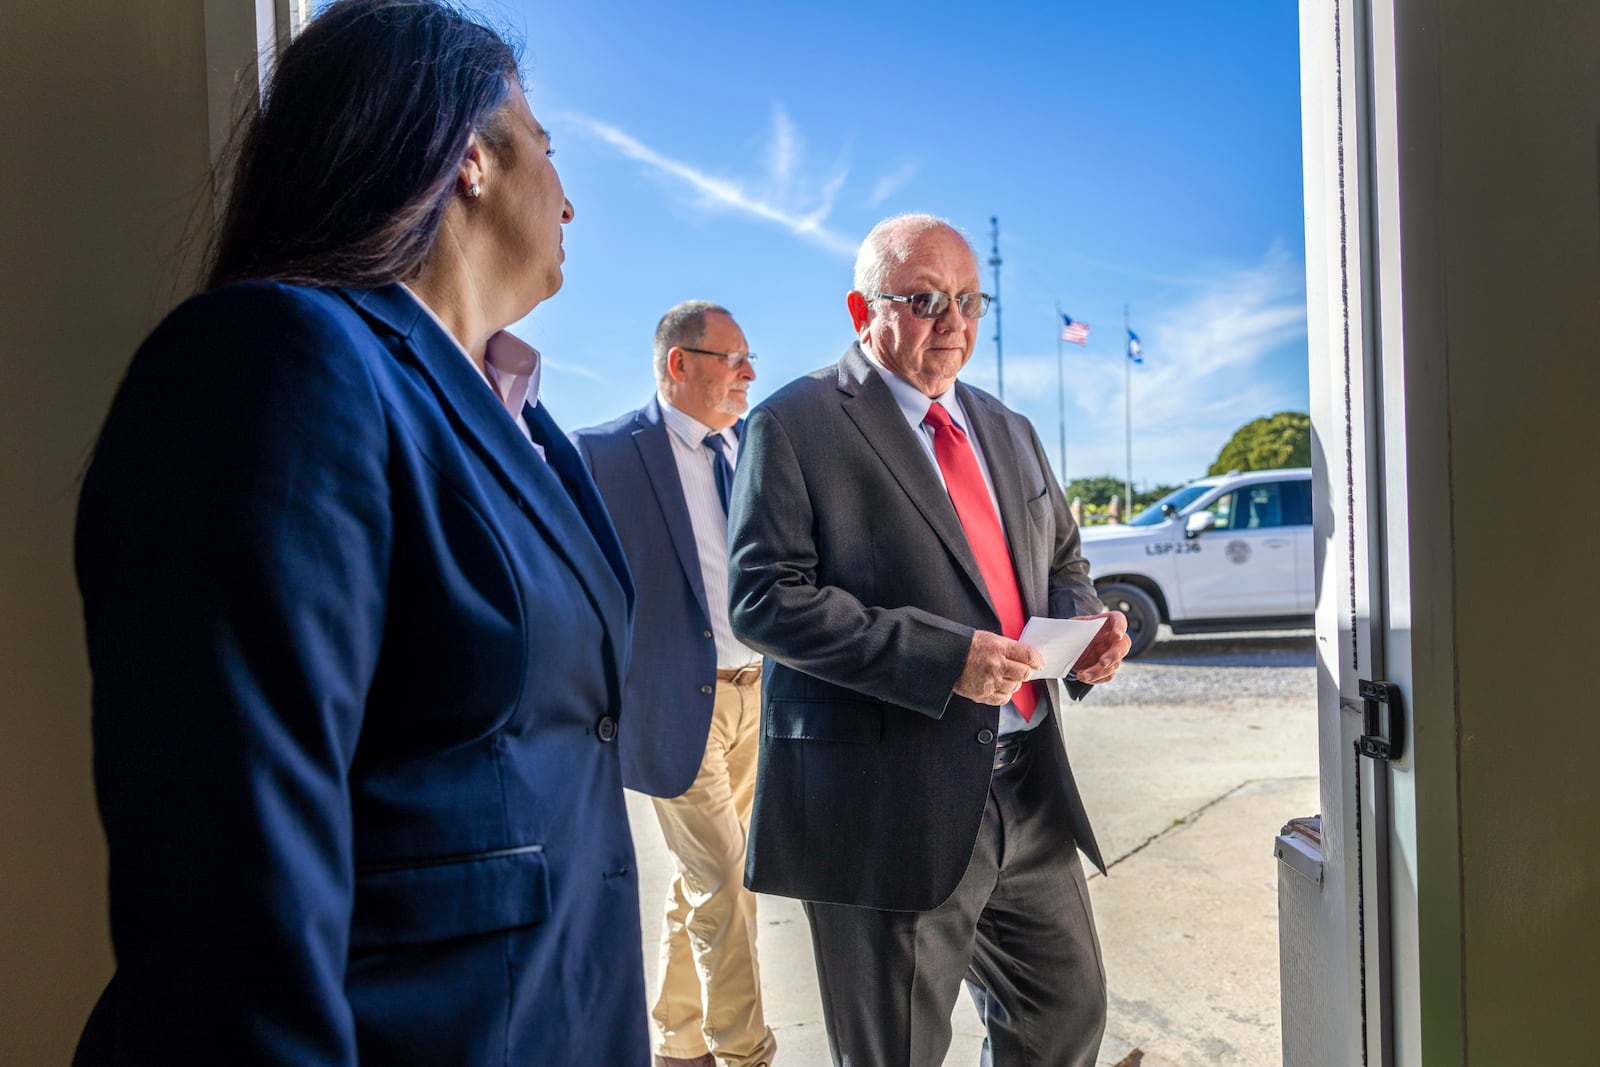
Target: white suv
x: 1226, y: 553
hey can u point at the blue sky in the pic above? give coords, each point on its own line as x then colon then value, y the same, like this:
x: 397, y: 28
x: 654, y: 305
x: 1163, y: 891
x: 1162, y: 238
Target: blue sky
x: 1145, y: 154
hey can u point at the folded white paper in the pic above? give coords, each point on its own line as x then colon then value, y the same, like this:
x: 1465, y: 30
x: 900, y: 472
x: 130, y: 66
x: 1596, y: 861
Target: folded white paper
x: 1059, y: 641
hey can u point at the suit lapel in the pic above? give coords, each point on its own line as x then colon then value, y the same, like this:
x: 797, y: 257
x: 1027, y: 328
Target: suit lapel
x: 661, y: 469
x: 572, y: 522
x: 872, y: 408
x: 1005, y: 462
x: 563, y: 458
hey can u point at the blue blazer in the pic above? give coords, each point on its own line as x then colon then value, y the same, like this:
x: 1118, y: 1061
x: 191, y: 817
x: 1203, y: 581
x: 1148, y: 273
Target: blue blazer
x: 358, y: 658
x: 673, y: 677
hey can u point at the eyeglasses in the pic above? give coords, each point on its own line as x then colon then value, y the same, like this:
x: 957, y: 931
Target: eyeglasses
x: 735, y: 359
x: 931, y: 305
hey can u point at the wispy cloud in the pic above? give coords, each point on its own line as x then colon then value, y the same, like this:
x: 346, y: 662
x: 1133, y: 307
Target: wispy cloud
x: 785, y: 147
x: 775, y: 198
x: 1204, y: 375
x: 562, y: 367
x: 889, y: 184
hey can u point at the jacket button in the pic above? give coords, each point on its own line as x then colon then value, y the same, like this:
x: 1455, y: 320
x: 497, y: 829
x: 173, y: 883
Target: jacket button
x: 706, y: 634
x: 706, y: 689
x: 985, y: 736
x: 606, y: 728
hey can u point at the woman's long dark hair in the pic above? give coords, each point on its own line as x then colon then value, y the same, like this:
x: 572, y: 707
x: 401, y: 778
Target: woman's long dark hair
x: 343, y: 174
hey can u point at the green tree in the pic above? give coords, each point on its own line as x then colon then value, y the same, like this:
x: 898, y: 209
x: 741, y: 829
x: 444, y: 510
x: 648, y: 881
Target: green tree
x: 1094, y: 491
x: 1281, y: 440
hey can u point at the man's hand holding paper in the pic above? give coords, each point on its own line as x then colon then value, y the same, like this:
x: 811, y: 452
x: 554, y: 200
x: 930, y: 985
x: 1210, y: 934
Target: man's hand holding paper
x: 1092, y: 646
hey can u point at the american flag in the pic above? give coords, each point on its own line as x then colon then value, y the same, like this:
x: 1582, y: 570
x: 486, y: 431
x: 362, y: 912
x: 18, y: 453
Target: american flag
x: 1074, y: 331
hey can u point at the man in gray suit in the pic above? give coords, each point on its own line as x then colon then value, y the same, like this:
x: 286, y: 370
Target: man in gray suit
x: 692, y: 705
x: 891, y: 531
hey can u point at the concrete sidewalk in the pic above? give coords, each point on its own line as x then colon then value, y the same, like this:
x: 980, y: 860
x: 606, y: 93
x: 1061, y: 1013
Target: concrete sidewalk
x: 1186, y: 800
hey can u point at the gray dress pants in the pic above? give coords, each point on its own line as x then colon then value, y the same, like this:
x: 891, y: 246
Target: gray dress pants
x: 1018, y: 928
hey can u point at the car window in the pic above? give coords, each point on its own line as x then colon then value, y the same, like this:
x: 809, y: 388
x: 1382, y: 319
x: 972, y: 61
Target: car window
x: 1296, y: 502
x: 1223, y: 509
x: 1260, y: 507
x: 1178, y: 499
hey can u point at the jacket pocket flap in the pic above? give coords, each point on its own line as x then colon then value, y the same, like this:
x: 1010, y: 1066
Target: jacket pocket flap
x: 825, y: 720
x: 458, y: 897
x: 1039, y: 506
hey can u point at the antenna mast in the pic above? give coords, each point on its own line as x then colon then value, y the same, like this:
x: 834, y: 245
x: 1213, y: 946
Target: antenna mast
x: 994, y: 261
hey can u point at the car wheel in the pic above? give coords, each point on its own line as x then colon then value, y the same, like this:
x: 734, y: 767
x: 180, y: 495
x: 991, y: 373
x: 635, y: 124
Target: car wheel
x: 1144, y: 619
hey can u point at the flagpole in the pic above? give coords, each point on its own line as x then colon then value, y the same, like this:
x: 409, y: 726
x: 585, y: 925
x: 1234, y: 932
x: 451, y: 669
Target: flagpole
x: 1127, y: 419
x: 994, y: 261
x: 1061, y: 393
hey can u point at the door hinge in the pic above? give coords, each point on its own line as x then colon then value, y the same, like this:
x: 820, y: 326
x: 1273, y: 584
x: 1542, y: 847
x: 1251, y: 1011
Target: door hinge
x: 1382, y: 720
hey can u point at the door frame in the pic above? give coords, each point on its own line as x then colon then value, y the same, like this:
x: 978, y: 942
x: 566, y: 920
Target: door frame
x: 1381, y: 487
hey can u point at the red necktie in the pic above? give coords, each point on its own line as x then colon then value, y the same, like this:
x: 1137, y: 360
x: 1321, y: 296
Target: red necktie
x: 970, y: 494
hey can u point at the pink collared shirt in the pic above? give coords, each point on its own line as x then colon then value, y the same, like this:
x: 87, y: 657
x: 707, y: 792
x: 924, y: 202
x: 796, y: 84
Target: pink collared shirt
x: 511, y: 368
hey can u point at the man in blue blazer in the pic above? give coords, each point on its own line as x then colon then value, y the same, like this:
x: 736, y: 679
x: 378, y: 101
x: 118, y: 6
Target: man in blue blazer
x: 692, y: 700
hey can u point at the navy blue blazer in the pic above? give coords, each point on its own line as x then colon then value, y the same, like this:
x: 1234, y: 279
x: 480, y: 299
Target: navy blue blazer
x: 358, y: 657
x: 673, y: 676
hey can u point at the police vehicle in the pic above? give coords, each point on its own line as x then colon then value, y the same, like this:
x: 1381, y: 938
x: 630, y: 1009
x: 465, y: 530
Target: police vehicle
x: 1232, y: 552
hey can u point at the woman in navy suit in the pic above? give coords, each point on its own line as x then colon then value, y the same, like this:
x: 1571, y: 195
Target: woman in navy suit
x: 357, y: 619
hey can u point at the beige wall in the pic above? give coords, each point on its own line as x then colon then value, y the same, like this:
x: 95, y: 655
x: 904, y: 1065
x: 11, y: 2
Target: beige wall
x: 1519, y: 253
x: 103, y: 112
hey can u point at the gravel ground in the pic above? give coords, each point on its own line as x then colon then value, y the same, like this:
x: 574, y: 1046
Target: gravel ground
x: 1218, y: 669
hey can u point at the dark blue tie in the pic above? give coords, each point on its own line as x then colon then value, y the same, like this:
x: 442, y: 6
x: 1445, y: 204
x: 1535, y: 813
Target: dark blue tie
x: 720, y: 467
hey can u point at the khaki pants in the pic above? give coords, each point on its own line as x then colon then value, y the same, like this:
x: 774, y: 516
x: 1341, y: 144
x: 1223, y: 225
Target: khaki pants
x: 710, y: 997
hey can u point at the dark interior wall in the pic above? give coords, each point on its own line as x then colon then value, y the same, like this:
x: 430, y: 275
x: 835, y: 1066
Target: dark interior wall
x: 103, y: 107
x: 1519, y: 264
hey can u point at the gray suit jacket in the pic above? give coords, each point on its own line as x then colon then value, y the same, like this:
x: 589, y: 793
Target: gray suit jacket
x: 851, y: 573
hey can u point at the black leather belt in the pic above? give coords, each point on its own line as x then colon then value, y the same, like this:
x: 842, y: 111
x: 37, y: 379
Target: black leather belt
x: 749, y: 674
x: 1009, y: 747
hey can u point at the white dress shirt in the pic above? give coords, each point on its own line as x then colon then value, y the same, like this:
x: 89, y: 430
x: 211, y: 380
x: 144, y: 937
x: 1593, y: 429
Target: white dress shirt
x: 710, y: 522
